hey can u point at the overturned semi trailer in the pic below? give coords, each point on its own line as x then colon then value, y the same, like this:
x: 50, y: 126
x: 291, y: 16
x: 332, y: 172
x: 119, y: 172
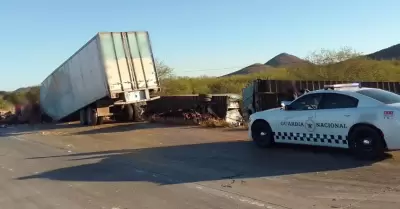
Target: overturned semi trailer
x: 112, y: 75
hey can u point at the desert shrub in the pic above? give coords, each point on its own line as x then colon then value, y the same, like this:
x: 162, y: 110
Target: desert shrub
x: 349, y: 70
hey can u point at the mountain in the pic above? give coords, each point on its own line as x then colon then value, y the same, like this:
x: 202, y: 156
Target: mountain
x: 390, y: 53
x: 279, y: 61
x: 285, y: 60
x: 254, y: 68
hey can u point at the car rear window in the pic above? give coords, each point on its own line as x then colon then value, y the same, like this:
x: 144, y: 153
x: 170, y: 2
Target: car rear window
x: 381, y: 95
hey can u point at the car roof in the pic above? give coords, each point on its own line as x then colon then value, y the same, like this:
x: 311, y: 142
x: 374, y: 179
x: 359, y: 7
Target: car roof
x: 364, y: 101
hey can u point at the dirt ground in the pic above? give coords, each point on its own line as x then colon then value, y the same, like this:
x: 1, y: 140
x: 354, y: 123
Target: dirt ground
x: 221, y: 164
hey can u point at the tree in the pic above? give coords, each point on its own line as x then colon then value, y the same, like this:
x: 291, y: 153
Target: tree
x: 16, y: 98
x: 332, y: 56
x: 330, y: 64
x: 4, y: 105
x: 33, y: 95
x: 163, y: 71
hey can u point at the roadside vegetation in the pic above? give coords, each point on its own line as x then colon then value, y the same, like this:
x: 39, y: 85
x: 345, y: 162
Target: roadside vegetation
x: 344, y: 64
x: 4, y: 105
x: 19, y: 97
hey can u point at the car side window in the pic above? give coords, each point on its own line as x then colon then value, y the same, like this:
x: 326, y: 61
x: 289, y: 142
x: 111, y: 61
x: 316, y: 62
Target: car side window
x: 306, y: 102
x: 337, y: 101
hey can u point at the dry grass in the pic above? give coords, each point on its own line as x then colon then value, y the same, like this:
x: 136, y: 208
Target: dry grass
x: 207, y: 123
x: 215, y: 123
x: 245, y: 125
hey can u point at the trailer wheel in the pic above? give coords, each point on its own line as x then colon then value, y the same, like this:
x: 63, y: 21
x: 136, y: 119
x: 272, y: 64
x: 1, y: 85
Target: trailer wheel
x: 82, y: 117
x: 100, y: 120
x: 138, y: 112
x: 91, y: 116
x: 127, y: 113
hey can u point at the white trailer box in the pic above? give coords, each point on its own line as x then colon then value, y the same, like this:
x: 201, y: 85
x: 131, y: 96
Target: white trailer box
x: 105, y: 77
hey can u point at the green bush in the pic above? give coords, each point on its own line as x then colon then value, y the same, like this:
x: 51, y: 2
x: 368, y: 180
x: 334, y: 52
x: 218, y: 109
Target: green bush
x: 22, y: 96
x: 355, y: 69
x: 350, y: 70
x: 5, y: 105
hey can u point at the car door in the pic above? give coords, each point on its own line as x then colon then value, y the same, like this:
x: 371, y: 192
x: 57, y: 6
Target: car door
x: 293, y: 124
x: 336, y: 114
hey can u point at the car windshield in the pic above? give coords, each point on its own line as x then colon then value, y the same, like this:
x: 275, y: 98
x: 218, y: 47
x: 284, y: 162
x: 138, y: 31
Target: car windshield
x: 381, y: 95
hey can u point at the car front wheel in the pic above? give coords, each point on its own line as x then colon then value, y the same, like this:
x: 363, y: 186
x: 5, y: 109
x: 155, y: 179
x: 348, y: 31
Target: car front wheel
x: 262, y: 134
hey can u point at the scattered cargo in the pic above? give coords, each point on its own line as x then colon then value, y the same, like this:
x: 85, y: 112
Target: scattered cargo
x: 113, y: 75
x: 192, y: 109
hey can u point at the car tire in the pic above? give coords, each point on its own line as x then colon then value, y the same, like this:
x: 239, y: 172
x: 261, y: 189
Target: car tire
x: 262, y: 134
x: 366, y: 143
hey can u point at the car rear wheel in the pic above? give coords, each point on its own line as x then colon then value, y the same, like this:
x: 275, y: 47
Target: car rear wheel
x: 366, y: 143
x: 262, y: 134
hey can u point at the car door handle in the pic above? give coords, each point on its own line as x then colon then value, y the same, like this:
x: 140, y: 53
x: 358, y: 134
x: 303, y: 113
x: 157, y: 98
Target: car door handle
x: 346, y: 115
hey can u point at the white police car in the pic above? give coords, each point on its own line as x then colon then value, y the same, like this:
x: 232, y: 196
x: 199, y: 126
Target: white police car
x: 364, y: 120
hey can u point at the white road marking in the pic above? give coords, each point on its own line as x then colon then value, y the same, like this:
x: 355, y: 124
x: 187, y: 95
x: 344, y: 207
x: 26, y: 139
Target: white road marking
x: 236, y: 197
x: 371, y: 197
x: 17, y: 138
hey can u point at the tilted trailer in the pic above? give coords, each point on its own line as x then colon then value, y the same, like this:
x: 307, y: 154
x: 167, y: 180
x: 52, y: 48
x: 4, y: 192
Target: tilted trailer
x: 113, y: 74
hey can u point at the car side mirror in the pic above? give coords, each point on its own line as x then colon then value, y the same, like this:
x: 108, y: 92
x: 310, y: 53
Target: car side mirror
x: 285, y: 105
x: 288, y: 107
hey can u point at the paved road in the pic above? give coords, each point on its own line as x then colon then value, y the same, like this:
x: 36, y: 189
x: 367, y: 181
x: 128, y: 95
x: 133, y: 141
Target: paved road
x: 147, y: 166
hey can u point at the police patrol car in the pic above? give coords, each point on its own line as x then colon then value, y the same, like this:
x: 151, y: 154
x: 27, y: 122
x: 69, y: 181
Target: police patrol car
x: 364, y: 120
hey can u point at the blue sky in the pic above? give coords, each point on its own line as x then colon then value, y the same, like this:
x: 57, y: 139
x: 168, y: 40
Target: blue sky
x: 194, y: 37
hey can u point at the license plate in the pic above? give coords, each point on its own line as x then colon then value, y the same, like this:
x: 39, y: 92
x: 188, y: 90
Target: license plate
x: 132, y: 96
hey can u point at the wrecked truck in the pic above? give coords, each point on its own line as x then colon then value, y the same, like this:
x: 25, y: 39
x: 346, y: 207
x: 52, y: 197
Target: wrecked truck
x: 261, y: 95
x: 112, y: 75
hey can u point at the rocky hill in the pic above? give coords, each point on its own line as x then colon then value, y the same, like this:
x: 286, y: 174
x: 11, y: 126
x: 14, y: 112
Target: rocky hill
x: 281, y: 60
x: 390, y: 53
x: 254, y: 68
x: 285, y: 60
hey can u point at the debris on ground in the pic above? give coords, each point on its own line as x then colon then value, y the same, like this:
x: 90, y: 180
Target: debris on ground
x: 211, y: 110
x: 190, y: 117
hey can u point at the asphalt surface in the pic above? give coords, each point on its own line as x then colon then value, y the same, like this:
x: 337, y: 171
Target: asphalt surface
x: 128, y: 166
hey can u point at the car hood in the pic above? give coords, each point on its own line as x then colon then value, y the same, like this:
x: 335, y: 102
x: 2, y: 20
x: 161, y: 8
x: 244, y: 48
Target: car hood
x: 262, y: 113
x: 270, y: 110
x: 397, y: 105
